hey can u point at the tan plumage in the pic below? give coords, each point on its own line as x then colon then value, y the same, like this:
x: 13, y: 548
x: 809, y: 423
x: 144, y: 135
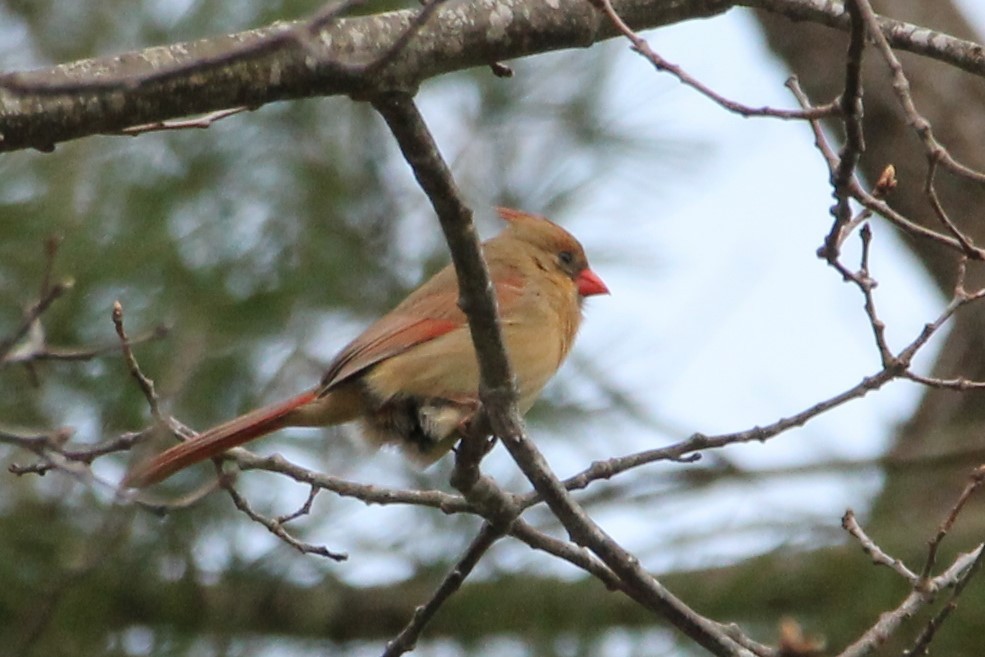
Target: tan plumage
x: 412, y: 377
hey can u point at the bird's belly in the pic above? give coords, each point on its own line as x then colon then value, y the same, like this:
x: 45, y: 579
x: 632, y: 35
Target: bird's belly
x: 425, y: 394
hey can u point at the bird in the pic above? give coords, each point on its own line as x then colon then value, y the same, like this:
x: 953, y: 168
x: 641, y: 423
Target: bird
x: 412, y: 377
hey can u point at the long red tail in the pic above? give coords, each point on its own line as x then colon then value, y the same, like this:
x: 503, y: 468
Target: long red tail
x: 215, y: 441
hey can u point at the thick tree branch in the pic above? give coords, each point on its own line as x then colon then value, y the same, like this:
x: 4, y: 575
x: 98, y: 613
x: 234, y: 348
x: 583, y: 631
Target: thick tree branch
x: 966, y: 55
x: 359, y: 56
x: 283, y: 61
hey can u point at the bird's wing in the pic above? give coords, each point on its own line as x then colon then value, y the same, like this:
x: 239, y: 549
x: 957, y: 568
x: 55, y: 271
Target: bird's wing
x: 428, y: 313
x: 391, y: 335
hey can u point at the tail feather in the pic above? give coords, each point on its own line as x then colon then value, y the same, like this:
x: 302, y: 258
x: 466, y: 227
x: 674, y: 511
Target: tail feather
x: 216, y: 440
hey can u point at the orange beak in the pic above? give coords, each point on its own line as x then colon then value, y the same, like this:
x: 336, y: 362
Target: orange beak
x: 589, y: 283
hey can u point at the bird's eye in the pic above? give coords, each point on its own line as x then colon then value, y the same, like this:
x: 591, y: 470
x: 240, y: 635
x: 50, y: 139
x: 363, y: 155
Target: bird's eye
x: 566, y: 258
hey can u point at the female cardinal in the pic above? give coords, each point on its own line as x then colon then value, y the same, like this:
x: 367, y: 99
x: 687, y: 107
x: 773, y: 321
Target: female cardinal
x: 412, y: 377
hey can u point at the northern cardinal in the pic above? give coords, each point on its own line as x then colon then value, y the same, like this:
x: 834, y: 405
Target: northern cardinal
x: 412, y: 377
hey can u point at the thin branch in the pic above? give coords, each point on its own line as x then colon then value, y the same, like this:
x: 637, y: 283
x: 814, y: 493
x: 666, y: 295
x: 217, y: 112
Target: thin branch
x: 866, y: 284
x: 406, y: 640
x: 48, y: 447
x: 918, y: 598
x: 440, y: 500
x: 641, y: 46
x: 851, y: 110
x: 921, y: 645
x: 198, y: 122
x: 935, y: 203
x: 884, y: 210
x: 38, y: 442
x: 44, y: 352
x: 875, y: 203
x: 924, y: 586
x: 56, y: 441
x: 901, y: 86
x: 959, y: 384
x: 850, y: 524
x: 961, y: 53
x: 975, y: 481
x: 31, y: 315
x: 896, y: 367
x: 303, y: 510
x: 579, y: 557
x: 146, y: 385
x: 820, y: 141
x: 276, y: 526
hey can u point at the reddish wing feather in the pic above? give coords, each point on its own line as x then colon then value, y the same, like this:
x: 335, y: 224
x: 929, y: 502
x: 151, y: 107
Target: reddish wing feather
x: 381, y: 341
x: 428, y: 313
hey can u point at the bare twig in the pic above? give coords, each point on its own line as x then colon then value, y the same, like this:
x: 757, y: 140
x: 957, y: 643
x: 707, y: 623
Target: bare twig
x: 866, y: 284
x: 895, y: 366
x: 924, y: 586
x: 850, y: 523
x: 959, y: 384
x: 901, y: 86
x: 935, y: 203
x: 444, y: 502
x: 573, y: 554
x: 38, y: 442
x: 921, y: 645
x: 146, y: 385
x: 851, y: 111
x: 56, y: 441
x: 975, y: 481
x: 875, y: 203
x: 303, y: 510
x: 407, y: 638
x: 641, y: 46
x: 44, y: 352
x: 276, y: 526
x: 918, y: 598
x: 199, y: 122
x: 31, y: 315
x: 582, y: 558
x: 905, y: 224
